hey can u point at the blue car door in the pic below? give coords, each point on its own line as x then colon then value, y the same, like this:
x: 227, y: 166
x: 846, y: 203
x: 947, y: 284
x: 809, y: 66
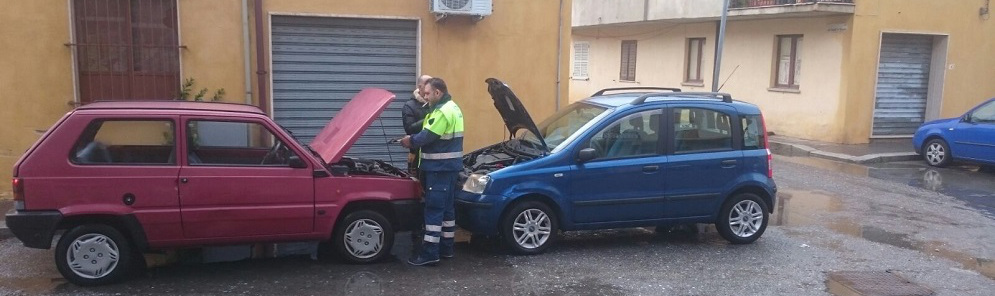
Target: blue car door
x: 974, y: 136
x: 625, y: 181
x: 704, y: 158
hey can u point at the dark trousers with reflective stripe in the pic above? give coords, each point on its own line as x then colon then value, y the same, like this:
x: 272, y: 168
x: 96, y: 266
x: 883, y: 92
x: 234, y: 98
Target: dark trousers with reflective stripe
x: 440, y: 216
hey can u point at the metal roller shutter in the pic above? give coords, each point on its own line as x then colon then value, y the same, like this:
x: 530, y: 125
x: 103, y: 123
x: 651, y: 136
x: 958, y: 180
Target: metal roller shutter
x: 319, y: 63
x: 902, y: 86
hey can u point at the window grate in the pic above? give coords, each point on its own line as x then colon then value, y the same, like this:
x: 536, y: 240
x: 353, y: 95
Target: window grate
x: 126, y: 49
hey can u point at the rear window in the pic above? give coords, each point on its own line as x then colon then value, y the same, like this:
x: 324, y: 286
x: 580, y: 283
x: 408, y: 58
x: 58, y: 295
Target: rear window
x: 753, y: 133
x: 149, y: 142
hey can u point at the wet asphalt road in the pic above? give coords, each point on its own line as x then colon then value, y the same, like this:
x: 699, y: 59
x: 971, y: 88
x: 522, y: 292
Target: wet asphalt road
x: 934, y: 227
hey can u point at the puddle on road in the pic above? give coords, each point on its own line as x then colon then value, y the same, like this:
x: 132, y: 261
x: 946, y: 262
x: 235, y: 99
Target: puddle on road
x: 804, y: 208
x: 800, y: 207
x: 984, y: 266
x: 967, y: 183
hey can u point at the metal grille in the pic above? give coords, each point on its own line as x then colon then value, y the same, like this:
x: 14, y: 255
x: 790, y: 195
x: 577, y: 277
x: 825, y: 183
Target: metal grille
x: 455, y: 4
x: 126, y: 49
x: 903, y: 83
x: 319, y: 63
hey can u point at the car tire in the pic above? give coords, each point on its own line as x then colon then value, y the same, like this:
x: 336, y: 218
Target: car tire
x: 93, y: 254
x: 936, y: 153
x: 363, y: 236
x: 529, y: 228
x: 743, y: 218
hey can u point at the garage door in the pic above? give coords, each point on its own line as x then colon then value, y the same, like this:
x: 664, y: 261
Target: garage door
x: 319, y: 63
x: 903, y: 80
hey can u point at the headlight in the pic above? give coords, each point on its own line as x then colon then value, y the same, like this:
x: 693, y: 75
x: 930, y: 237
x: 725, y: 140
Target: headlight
x: 476, y: 183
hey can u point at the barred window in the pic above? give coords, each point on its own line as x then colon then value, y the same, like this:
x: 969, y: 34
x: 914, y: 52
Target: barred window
x: 126, y: 49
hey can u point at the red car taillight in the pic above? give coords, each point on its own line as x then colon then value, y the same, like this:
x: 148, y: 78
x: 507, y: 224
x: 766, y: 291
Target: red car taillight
x: 18, y: 186
x: 770, y: 157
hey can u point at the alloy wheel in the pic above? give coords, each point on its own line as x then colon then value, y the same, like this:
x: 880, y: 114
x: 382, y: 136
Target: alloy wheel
x: 532, y: 228
x: 746, y: 218
x: 935, y: 153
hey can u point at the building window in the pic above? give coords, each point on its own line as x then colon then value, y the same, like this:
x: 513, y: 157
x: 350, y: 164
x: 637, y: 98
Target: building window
x: 582, y: 54
x: 126, y: 49
x: 789, y: 61
x: 695, y: 50
x: 627, y: 71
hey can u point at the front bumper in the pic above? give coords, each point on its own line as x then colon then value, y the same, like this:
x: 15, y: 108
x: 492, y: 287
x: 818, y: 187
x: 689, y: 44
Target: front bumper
x: 34, y: 228
x: 478, y: 213
x: 408, y: 214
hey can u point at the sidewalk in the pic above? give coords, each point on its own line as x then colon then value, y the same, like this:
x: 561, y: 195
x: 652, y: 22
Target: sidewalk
x: 5, y: 205
x: 878, y: 151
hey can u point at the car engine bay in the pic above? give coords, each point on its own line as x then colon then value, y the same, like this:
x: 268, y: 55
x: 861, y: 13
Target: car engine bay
x: 365, y: 167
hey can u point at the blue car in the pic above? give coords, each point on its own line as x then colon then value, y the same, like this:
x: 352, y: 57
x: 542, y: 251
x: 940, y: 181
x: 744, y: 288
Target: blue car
x: 969, y: 138
x: 626, y: 159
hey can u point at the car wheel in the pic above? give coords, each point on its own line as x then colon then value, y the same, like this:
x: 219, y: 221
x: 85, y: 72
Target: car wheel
x: 529, y: 227
x: 936, y: 152
x: 93, y: 254
x: 743, y: 218
x: 364, y: 236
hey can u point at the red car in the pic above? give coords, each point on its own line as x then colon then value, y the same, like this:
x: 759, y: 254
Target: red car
x: 122, y: 178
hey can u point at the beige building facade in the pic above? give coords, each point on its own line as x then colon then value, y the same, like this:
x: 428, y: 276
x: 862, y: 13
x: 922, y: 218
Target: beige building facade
x: 44, y: 74
x: 862, y: 69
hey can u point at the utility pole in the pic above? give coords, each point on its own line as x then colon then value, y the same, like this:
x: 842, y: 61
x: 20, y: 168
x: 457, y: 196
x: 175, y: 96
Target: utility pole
x: 721, y: 37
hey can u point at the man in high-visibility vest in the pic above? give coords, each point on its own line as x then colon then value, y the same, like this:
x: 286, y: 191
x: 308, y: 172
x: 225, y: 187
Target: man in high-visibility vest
x: 441, y: 145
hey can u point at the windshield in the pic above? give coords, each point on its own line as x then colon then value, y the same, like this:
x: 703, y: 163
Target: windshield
x: 561, y: 125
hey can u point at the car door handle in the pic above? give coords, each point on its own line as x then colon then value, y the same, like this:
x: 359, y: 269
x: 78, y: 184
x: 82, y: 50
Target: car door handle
x: 650, y: 169
x: 184, y: 180
x: 729, y: 163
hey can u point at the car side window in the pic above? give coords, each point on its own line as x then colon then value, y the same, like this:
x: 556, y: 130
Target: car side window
x: 753, y: 137
x: 700, y: 130
x: 234, y: 143
x: 133, y: 142
x: 633, y: 135
x: 984, y: 114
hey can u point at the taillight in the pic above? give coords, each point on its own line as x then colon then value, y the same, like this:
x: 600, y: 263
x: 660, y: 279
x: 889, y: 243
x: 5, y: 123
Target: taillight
x: 18, y: 186
x: 770, y: 157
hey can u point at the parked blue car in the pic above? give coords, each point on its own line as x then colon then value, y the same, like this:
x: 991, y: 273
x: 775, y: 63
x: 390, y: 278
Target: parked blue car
x: 630, y: 159
x: 968, y: 138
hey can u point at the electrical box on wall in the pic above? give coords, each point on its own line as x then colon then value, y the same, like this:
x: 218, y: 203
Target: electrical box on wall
x: 478, y: 9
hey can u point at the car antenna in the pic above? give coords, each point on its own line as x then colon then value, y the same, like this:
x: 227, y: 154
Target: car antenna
x: 727, y: 78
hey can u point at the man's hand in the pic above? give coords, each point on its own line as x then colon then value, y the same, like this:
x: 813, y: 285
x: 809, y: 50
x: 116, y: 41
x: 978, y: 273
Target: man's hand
x: 406, y: 141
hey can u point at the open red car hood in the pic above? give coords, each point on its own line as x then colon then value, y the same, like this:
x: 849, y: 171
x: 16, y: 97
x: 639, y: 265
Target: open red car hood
x: 346, y: 127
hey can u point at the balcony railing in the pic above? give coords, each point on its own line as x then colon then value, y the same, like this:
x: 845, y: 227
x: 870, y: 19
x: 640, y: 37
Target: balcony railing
x: 762, y: 3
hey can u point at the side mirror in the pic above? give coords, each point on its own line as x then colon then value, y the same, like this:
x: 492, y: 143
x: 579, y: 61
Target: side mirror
x: 296, y: 162
x: 586, y: 155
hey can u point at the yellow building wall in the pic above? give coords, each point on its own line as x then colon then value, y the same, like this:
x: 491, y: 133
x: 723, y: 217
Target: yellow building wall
x: 747, y: 67
x: 970, y: 65
x: 517, y: 44
x: 36, y: 79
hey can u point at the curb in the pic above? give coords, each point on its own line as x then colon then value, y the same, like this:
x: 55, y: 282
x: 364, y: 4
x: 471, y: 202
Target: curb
x: 5, y: 232
x: 789, y: 149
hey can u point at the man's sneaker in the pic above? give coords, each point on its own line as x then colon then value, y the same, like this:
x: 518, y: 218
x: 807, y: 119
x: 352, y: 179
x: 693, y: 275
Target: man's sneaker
x: 419, y: 261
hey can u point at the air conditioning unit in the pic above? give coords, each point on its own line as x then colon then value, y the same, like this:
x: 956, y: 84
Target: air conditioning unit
x: 475, y: 8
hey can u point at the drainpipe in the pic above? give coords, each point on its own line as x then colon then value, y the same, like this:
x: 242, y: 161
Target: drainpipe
x: 718, y: 45
x: 260, y: 56
x: 246, y: 52
x: 559, y: 54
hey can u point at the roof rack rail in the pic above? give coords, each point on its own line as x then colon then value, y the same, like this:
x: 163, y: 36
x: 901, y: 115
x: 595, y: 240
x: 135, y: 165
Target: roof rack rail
x: 602, y: 92
x: 714, y: 95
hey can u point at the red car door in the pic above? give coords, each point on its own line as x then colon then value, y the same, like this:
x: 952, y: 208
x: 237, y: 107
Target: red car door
x: 236, y: 181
